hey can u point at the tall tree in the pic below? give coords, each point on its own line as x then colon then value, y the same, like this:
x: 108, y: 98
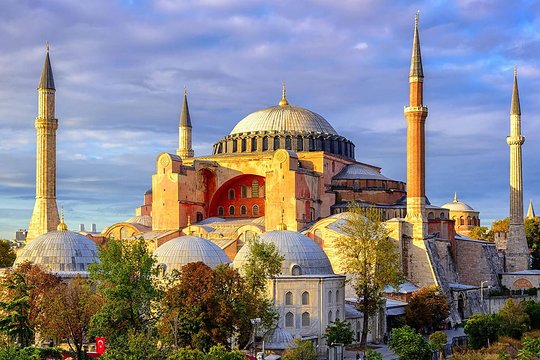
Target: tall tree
x: 481, y: 233
x: 15, y: 321
x: 339, y: 332
x: 7, y: 255
x: 427, y: 309
x: 125, y: 278
x: 501, y: 225
x: 301, y: 350
x: 369, y: 258
x: 532, y: 233
x: 409, y: 345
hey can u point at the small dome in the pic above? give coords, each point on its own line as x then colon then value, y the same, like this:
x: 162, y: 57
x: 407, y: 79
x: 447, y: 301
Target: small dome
x: 183, y: 250
x: 302, y: 256
x: 457, y: 205
x: 148, y: 192
x: 145, y: 220
x: 278, y: 339
x: 59, y: 251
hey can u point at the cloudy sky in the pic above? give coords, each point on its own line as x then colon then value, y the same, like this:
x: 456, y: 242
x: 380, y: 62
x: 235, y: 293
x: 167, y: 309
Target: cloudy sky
x: 120, y: 68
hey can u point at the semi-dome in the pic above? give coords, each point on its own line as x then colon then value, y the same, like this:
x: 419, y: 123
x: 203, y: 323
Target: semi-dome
x: 183, y: 250
x: 145, y: 220
x: 302, y: 256
x: 59, y: 251
x: 278, y: 339
x: 457, y: 205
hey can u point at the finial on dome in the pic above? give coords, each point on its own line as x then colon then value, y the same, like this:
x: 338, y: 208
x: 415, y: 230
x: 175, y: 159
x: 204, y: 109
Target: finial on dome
x: 283, y: 100
x: 455, y: 197
x: 47, y: 46
x: 282, y: 226
x: 62, y: 226
x: 189, y: 225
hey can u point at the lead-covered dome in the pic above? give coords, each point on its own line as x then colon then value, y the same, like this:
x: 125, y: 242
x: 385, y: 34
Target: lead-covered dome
x: 59, y: 251
x: 183, y: 250
x: 302, y: 256
x: 457, y: 205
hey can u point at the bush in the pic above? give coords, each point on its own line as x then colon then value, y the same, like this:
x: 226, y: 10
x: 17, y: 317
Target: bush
x: 532, y: 309
x: 29, y: 353
x: 373, y: 355
x: 482, y: 330
x: 530, y: 350
x: 409, y: 345
x: 514, y: 320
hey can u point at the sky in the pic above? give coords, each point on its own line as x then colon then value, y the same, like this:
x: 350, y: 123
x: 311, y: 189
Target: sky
x: 120, y: 68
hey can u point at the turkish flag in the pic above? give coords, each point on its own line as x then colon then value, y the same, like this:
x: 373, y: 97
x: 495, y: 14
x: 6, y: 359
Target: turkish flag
x: 100, y: 345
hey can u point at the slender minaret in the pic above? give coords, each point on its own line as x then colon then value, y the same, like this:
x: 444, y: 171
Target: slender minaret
x: 45, y: 215
x: 184, y: 131
x: 530, y: 212
x: 416, y: 114
x: 517, y: 251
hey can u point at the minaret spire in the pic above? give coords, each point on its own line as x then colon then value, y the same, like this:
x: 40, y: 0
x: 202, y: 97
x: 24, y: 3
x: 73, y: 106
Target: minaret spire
x: 185, y: 149
x: 45, y: 214
x: 517, y: 251
x: 283, y: 101
x: 530, y: 212
x: 416, y: 58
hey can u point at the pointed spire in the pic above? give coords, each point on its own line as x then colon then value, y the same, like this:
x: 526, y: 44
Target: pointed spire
x: 515, y: 108
x: 283, y: 100
x: 530, y: 212
x: 47, y: 79
x: 416, y: 58
x: 455, y: 197
x: 185, y: 119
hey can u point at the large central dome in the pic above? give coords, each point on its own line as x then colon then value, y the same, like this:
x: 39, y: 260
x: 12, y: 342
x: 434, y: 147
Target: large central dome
x: 284, y: 118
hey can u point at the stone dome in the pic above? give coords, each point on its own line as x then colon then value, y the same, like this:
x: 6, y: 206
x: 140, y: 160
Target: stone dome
x: 284, y: 118
x: 145, y: 220
x: 457, y: 205
x: 183, y: 250
x: 59, y: 251
x: 302, y: 256
x: 278, y: 339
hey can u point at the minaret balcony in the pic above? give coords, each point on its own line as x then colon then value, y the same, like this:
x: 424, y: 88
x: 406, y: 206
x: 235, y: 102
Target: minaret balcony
x: 515, y: 140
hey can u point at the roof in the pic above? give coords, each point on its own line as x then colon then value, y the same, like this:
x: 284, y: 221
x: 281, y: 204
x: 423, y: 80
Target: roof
x: 457, y: 205
x: 523, y: 272
x: 185, y: 119
x: 405, y: 288
x: 359, y: 172
x: 278, y: 339
x: 416, y: 57
x: 285, y: 118
x: 351, y: 312
x: 145, y: 220
x: 458, y: 286
x: 515, y: 108
x: 47, y: 79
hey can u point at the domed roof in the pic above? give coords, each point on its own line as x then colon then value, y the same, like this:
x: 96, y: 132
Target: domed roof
x: 145, y: 220
x: 302, y: 256
x: 284, y: 118
x: 278, y: 339
x: 457, y: 205
x: 59, y: 251
x: 183, y: 250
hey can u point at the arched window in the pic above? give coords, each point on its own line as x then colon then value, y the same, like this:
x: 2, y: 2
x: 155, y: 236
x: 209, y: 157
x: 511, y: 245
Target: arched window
x: 253, y: 144
x: 337, y: 297
x: 311, y: 143
x: 289, y: 319
x: 243, y: 210
x: 265, y: 143
x: 305, y: 319
x: 220, y: 148
x: 231, y: 210
x: 330, y: 297
x: 220, y: 211
x: 430, y: 215
x: 299, y: 143
x: 123, y: 233
x: 255, y: 189
x: 442, y: 216
x: 199, y: 216
x: 249, y: 235
x: 330, y: 316
x: 243, y: 191
x: 311, y: 213
x: 318, y: 237
x: 255, y: 210
x: 469, y: 220
x: 244, y: 145
x: 288, y: 143
x: 305, y: 298
x: 296, y: 270
x: 461, y: 221
x: 276, y: 143
x: 288, y: 298
x: 234, y: 145
x: 231, y: 194
x: 337, y: 314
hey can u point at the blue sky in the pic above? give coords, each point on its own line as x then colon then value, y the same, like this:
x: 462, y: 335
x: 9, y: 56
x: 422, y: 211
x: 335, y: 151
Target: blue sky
x: 120, y: 68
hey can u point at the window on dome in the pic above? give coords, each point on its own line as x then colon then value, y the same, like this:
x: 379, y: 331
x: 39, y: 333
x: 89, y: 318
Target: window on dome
x: 231, y: 210
x: 234, y: 146
x: 340, y: 148
x: 244, y: 145
x: 243, y: 192
x: 220, y: 148
x: 299, y: 144
x: 255, y: 210
x: 253, y: 144
x: 469, y: 220
x: 296, y: 270
x: 305, y: 319
x: 231, y: 194
x: 430, y: 215
x: 255, y: 189
x: 288, y: 298
x: 442, y: 215
x: 289, y: 319
x: 332, y: 146
x: 305, y: 298
x: 311, y: 143
x: 265, y: 143
x: 288, y: 141
x: 243, y: 210
x: 461, y: 221
x: 276, y: 143
x: 220, y: 211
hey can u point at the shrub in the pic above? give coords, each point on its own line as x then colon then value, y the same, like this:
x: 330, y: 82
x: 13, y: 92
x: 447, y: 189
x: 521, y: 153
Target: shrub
x: 482, y: 330
x: 409, y: 345
x: 373, y: 355
x: 514, y: 320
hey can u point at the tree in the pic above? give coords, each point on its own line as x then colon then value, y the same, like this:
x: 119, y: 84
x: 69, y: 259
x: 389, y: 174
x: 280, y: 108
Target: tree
x: 482, y: 330
x: 216, y: 353
x: 16, y: 319
x: 136, y: 346
x: 481, y: 233
x: 339, y: 332
x: 373, y: 355
x: 437, y: 340
x: 427, y: 309
x: 301, y: 350
x: 369, y: 258
x: 409, y: 345
x: 532, y: 233
x: 530, y: 350
x: 7, y: 255
x: 532, y: 309
x: 501, y: 225
x: 125, y: 280
x: 514, y: 320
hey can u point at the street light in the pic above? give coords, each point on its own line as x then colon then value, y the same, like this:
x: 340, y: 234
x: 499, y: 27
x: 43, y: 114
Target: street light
x: 254, y: 322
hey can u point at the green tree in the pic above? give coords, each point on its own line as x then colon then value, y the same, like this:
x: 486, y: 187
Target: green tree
x: 218, y: 352
x: 530, y: 349
x: 339, y: 332
x: 7, y: 255
x: 532, y: 233
x: 532, y: 309
x: 369, y: 258
x: 136, y: 346
x: 501, y: 225
x: 482, y: 330
x: 437, y: 340
x: 373, y: 355
x: 301, y: 350
x: 481, y: 233
x: 125, y: 277
x: 15, y: 322
x: 514, y: 319
x: 409, y: 345
x: 427, y: 309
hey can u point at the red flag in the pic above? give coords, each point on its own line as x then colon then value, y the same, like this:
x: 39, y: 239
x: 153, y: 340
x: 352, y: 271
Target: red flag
x: 100, y: 345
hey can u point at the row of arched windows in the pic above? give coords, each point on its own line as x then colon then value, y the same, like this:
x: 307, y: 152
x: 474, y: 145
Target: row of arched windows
x: 330, y: 318
x: 289, y: 299
x: 471, y: 221
x: 331, y: 297
x: 243, y: 210
x: 244, y: 191
x: 431, y: 215
x: 289, y: 319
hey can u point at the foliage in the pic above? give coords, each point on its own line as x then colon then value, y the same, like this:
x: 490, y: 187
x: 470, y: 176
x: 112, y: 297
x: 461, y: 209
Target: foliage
x: 482, y: 330
x: 481, y: 233
x: 409, y: 345
x: 532, y: 233
x: 501, y: 225
x: 15, y: 309
x: 216, y: 353
x: 339, y: 332
x: 532, y: 309
x: 7, y: 255
x: 125, y: 280
x: 373, y: 355
x: 427, y: 309
x: 514, y: 320
x: 369, y: 258
x: 437, y: 340
x: 302, y: 350
x: 530, y: 350
x: 29, y: 353
x: 136, y: 346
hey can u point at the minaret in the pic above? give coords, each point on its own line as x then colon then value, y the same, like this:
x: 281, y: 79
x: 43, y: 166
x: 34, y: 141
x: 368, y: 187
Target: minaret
x: 517, y: 251
x: 45, y: 215
x: 184, y: 132
x: 416, y: 114
x: 530, y: 212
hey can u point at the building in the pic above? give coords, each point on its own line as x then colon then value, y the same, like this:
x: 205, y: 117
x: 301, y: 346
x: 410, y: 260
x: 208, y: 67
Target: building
x: 465, y: 217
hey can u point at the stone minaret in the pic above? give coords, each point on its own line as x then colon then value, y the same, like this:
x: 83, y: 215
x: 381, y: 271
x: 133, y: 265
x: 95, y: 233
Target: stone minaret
x: 517, y: 251
x: 416, y: 114
x: 45, y: 215
x: 184, y: 132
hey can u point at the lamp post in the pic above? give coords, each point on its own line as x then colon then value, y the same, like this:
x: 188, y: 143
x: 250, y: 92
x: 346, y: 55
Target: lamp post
x: 482, y: 295
x: 254, y: 322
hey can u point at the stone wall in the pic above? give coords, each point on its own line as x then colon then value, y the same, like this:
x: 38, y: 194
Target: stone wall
x: 477, y: 261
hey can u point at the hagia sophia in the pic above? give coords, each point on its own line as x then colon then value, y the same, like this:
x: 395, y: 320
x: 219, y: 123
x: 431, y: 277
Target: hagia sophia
x: 285, y: 175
